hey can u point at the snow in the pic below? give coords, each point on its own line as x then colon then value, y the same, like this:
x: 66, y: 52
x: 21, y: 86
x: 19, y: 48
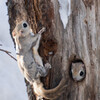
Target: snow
x: 12, y: 85
x: 65, y: 11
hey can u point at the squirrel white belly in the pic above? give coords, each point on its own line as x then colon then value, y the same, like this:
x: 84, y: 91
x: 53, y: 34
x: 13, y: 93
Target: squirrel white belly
x: 30, y: 62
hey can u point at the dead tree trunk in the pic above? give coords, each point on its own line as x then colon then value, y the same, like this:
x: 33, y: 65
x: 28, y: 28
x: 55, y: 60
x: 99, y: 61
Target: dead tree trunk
x: 79, y: 41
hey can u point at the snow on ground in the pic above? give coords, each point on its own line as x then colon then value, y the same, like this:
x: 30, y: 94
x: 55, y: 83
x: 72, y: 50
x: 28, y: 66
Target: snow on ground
x: 65, y: 11
x: 12, y: 86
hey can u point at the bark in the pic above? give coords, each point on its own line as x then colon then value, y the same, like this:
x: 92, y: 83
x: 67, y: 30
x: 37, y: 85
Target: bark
x: 80, y: 41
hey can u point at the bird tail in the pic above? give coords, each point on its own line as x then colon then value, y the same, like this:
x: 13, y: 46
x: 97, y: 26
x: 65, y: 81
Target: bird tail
x: 51, y: 93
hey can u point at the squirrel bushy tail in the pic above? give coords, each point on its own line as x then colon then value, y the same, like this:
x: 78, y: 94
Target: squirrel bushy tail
x: 51, y: 93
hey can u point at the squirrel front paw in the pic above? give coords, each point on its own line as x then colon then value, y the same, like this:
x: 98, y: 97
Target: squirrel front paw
x: 42, y: 30
x: 47, y: 66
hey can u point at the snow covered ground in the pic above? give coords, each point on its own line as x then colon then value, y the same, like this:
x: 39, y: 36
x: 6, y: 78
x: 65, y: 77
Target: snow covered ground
x: 12, y: 86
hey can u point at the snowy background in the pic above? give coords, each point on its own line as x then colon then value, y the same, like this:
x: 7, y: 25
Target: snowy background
x: 65, y: 11
x: 12, y: 86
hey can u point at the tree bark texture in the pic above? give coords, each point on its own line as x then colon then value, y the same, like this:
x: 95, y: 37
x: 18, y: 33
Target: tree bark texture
x: 60, y: 47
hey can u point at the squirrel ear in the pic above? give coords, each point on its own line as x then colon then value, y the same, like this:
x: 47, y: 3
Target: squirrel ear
x: 73, y: 64
x: 31, y: 32
x: 83, y: 65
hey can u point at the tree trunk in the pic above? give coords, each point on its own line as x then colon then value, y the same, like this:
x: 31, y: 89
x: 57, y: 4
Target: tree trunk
x: 60, y: 46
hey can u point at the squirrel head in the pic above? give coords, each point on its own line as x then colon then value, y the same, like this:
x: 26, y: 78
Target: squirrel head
x: 22, y: 29
x: 78, y: 71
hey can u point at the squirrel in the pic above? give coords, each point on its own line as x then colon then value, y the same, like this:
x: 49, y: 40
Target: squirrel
x: 78, y: 71
x: 30, y: 63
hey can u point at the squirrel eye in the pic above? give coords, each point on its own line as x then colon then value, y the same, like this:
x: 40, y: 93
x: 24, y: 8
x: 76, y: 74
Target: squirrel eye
x: 24, y: 25
x: 81, y: 73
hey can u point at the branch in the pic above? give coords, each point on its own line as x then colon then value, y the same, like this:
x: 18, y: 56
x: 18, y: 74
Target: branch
x: 8, y: 53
